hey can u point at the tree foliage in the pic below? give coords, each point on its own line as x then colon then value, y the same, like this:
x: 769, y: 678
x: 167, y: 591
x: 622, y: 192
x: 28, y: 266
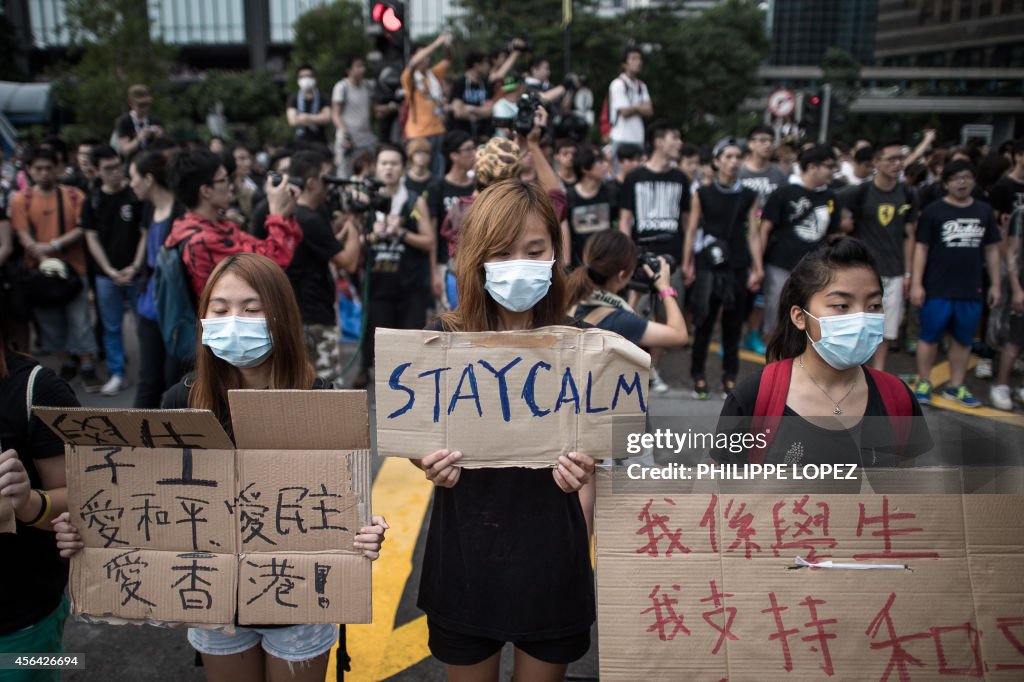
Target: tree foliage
x: 110, y: 49
x: 326, y: 38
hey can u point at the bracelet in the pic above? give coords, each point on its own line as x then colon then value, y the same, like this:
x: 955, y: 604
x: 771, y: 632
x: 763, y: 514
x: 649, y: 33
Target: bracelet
x: 44, y: 507
x: 667, y: 292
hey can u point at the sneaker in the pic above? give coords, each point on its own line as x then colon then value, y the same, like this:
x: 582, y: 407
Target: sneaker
x: 1000, y: 397
x: 923, y: 392
x: 113, y: 386
x: 68, y: 372
x: 983, y: 370
x: 658, y: 385
x: 90, y: 381
x: 728, y: 385
x: 700, y: 389
x: 753, y: 342
x: 962, y: 395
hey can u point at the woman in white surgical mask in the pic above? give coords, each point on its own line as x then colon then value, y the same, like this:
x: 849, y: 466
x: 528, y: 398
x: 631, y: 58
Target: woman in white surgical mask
x: 251, y: 337
x: 507, y: 554
x: 830, y: 324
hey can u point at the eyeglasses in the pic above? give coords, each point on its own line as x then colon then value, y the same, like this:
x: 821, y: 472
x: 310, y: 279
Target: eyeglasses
x: 217, y: 181
x: 464, y: 150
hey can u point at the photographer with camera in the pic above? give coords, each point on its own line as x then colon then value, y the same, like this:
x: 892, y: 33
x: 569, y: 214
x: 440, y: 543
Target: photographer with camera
x: 424, y: 90
x: 610, y: 262
x: 400, y: 239
x: 326, y: 240
x: 137, y: 129
x: 722, y: 260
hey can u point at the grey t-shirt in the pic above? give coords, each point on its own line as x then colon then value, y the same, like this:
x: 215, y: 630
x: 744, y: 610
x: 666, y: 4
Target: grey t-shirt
x: 763, y: 182
x: 880, y: 221
x: 356, y: 114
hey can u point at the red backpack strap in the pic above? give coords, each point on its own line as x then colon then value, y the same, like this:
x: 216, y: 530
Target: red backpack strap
x: 898, y: 406
x: 771, y: 403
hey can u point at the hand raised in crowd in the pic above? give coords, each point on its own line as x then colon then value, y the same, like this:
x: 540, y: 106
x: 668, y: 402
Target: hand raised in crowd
x: 69, y: 540
x: 540, y: 121
x: 573, y: 471
x: 14, y: 482
x: 440, y: 468
x: 281, y: 199
x: 370, y: 538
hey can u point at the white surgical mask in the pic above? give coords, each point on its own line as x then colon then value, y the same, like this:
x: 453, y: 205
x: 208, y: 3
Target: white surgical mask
x: 307, y: 83
x: 848, y: 340
x: 518, y: 285
x: 241, y: 341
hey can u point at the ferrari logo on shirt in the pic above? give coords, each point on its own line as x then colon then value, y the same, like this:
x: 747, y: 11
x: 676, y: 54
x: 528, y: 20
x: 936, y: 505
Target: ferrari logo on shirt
x: 885, y: 214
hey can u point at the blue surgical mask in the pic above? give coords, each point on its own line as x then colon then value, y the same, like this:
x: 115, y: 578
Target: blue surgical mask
x: 518, y: 285
x: 848, y: 340
x: 241, y: 341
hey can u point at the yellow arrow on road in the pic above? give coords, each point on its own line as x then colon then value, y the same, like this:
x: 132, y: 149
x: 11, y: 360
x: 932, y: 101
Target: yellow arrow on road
x: 401, y: 494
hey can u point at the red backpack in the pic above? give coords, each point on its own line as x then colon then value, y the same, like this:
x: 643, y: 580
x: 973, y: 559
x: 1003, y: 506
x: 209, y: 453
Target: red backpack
x: 771, y: 402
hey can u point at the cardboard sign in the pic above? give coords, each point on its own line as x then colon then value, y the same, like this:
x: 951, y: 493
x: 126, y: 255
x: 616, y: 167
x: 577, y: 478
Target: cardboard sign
x: 703, y: 586
x: 180, y: 526
x: 507, y: 398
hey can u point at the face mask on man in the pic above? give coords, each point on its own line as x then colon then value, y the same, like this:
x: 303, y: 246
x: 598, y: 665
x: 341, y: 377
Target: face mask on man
x: 517, y: 285
x: 848, y: 340
x: 307, y: 83
x: 240, y: 341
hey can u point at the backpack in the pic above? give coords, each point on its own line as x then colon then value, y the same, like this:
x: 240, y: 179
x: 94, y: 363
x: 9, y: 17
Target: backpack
x: 175, y: 302
x: 771, y: 402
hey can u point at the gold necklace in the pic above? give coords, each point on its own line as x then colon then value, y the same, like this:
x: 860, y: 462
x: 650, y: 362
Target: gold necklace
x: 838, y: 410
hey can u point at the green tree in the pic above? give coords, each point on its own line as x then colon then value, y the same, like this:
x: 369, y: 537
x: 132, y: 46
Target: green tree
x: 326, y: 38
x: 110, y: 49
x: 841, y: 71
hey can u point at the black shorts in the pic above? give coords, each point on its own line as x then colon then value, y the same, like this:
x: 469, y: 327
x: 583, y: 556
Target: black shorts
x: 456, y: 648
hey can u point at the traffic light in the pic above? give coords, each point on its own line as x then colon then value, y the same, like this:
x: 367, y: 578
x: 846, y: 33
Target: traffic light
x: 387, y: 17
x: 812, y: 110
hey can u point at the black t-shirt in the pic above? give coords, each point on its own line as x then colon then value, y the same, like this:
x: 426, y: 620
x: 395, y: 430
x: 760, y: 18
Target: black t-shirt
x: 659, y: 202
x: 32, y: 571
x: 474, y: 94
x: 418, y: 188
x: 310, y: 272
x: 588, y: 216
x: 441, y: 196
x: 880, y: 221
x: 724, y: 216
x: 798, y: 441
x: 507, y: 557
x: 1006, y: 195
x: 801, y: 218
x: 117, y: 219
x: 396, y: 269
x: 310, y: 133
x: 956, y: 239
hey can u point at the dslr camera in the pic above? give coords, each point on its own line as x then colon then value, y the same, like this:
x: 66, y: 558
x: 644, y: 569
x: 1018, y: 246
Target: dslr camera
x: 528, y: 103
x: 640, y: 281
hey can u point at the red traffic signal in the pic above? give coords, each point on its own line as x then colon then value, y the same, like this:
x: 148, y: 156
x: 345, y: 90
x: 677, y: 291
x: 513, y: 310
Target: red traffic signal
x: 815, y: 100
x: 389, y: 15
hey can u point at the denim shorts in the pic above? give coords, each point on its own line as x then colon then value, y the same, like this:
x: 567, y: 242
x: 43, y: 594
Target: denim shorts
x: 291, y: 643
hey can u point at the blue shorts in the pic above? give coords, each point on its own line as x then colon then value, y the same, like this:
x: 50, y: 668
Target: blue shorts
x: 290, y: 643
x: 941, y: 315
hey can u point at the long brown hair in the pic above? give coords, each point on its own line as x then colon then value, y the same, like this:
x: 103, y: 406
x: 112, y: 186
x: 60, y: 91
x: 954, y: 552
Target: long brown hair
x: 289, y: 367
x: 493, y: 224
x: 606, y: 254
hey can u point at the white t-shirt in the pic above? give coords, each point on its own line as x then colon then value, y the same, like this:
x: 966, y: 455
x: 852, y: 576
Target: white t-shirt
x: 625, y: 92
x: 357, y: 113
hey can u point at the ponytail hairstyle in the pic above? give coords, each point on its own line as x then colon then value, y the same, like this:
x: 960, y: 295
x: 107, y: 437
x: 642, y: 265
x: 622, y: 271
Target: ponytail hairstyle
x: 606, y: 254
x: 812, y: 274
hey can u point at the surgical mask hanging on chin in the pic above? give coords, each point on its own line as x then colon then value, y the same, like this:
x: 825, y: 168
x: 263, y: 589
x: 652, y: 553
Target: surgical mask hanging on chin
x: 307, y: 83
x: 240, y: 341
x: 848, y: 340
x: 517, y: 285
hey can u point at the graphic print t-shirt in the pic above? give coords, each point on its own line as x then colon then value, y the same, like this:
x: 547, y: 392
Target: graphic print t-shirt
x: 659, y: 202
x: 588, y: 216
x: 880, y: 221
x: 801, y: 219
x: 956, y: 239
x: 763, y: 182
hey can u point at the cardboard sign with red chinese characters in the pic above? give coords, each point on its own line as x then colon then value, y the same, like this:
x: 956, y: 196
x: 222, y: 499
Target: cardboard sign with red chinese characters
x: 703, y: 586
x: 518, y: 398
x: 182, y: 526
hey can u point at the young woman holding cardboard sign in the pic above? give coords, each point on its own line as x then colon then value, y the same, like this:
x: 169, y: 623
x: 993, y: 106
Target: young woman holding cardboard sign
x: 507, y: 556
x: 251, y: 338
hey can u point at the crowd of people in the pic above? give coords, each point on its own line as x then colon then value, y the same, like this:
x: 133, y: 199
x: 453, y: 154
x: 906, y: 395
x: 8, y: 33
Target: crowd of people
x: 477, y: 205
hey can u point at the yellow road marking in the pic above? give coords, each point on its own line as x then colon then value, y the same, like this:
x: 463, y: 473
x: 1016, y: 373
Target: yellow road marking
x: 378, y: 651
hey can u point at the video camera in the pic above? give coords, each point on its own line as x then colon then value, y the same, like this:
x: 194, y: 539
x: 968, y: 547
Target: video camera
x: 343, y: 195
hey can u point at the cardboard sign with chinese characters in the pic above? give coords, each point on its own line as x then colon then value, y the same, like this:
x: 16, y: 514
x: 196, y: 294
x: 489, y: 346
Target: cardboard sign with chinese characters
x: 507, y: 398
x: 182, y: 526
x: 700, y: 586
